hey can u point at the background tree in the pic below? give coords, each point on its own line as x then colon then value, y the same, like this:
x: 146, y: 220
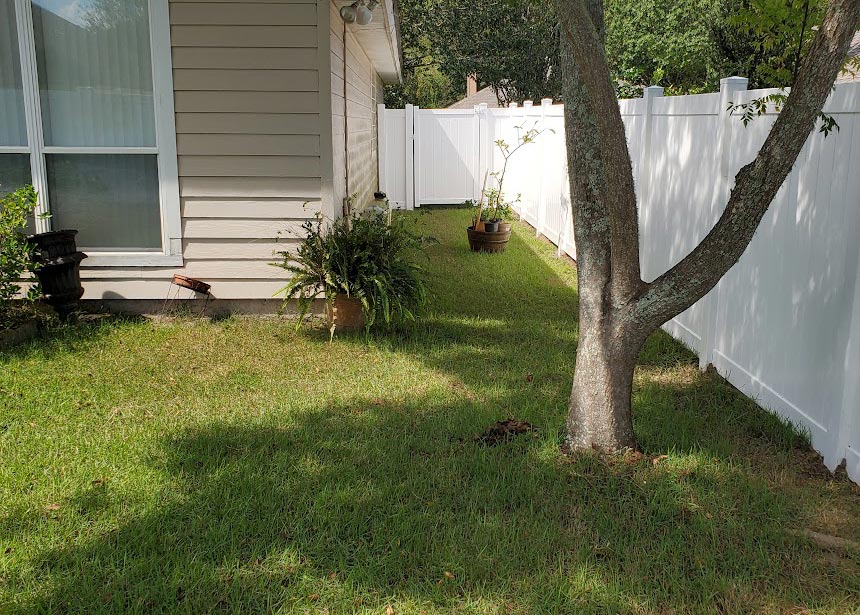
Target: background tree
x: 687, y: 46
x: 617, y: 309
x: 663, y: 42
x: 765, y: 40
x: 510, y: 45
x: 425, y: 83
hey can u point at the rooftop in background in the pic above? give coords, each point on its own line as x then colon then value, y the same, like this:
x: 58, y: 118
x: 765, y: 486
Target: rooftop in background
x: 474, y: 96
x: 485, y: 96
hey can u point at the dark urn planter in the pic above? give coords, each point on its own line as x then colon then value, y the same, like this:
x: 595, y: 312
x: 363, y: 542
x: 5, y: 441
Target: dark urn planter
x: 483, y: 241
x: 57, y: 265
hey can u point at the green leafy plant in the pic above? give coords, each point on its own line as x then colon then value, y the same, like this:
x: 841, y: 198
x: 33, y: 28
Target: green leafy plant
x: 15, y: 252
x: 747, y: 112
x: 366, y: 258
x: 778, y: 34
x: 497, y: 206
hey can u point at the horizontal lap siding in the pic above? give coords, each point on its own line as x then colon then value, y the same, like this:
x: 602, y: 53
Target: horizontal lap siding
x: 363, y: 91
x: 248, y: 122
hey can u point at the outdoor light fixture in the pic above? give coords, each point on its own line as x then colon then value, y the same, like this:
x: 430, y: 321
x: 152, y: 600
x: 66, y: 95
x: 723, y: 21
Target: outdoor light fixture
x: 348, y: 12
x: 360, y: 11
x: 365, y: 13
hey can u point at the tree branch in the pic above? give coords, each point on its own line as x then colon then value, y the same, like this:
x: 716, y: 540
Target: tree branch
x: 757, y: 183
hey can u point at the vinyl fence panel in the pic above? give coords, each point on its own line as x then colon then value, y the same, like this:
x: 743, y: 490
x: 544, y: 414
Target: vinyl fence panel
x: 784, y: 324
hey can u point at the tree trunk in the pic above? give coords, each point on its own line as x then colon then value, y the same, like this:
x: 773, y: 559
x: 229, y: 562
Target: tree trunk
x: 599, y: 411
x: 617, y: 310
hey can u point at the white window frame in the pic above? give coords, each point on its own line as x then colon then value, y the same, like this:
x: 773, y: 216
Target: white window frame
x: 165, y: 141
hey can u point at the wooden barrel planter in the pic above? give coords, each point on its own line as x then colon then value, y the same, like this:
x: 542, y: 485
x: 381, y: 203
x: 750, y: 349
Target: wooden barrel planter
x: 482, y: 241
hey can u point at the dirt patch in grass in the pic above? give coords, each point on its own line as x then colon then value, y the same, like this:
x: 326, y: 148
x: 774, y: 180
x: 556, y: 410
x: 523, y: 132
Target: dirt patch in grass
x: 503, y: 431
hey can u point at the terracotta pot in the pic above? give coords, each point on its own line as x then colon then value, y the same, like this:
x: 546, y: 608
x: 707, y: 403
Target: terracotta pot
x: 345, y: 313
x: 481, y: 241
x: 504, y: 227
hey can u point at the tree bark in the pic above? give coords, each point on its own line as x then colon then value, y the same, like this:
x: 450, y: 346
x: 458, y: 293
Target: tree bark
x: 599, y: 408
x: 617, y: 310
x: 600, y: 414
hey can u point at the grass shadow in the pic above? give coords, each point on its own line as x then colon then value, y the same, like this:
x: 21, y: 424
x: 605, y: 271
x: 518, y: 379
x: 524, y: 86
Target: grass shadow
x: 355, y: 507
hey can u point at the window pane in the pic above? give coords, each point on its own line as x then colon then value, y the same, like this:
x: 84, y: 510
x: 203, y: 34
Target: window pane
x: 112, y: 200
x: 95, y: 72
x: 14, y: 172
x: 13, y: 129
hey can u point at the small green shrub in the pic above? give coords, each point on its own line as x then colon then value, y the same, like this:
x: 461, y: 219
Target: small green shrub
x: 369, y: 259
x: 15, y: 252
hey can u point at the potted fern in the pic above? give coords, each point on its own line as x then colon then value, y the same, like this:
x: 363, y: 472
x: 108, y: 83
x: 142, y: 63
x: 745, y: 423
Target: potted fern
x: 364, y: 266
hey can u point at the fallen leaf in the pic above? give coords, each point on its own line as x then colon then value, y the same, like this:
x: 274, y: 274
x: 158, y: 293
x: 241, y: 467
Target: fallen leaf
x: 633, y: 457
x: 52, y: 507
x: 314, y: 597
x: 658, y: 459
x: 448, y: 575
x: 332, y: 575
x: 389, y: 610
x: 530, y: 377
x: 98, y: 482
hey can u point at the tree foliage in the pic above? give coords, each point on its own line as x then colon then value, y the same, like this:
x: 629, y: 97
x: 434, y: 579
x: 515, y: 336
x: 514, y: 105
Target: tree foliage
x: 687, y: 46
x: 662, y: 42
x: 425, y: 83
x: 766, y: 40
x: 509, y: 45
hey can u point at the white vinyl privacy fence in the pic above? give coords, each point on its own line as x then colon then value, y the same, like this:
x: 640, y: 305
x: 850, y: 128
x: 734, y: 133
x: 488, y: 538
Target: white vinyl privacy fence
x: 784, y: 324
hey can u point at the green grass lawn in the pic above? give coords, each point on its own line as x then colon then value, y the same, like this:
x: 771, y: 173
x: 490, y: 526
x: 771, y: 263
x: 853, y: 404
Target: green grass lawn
x: 240, y: 466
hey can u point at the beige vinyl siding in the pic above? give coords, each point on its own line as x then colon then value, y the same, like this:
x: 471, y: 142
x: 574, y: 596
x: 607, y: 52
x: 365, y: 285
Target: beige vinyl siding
x: 363, y: 91
x: 249, y: 122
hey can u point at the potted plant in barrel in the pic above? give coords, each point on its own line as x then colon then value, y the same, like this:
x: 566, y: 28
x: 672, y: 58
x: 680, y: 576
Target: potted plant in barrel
x: 491, y: 229
x: 365, y: 266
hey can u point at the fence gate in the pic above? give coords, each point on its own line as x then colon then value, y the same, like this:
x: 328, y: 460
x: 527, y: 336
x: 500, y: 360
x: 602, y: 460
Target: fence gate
x: 429, y: 156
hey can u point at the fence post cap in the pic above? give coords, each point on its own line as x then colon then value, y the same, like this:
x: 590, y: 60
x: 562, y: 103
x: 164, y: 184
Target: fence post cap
x: 651, y: 91
x: 734, y: 82
x: 528, y: 103
x: 545, y: 102
x: 512, y: 105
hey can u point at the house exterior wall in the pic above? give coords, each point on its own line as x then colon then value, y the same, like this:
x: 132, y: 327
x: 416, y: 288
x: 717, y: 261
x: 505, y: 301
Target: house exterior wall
x: 364, y: 89
x: 253, y: 134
